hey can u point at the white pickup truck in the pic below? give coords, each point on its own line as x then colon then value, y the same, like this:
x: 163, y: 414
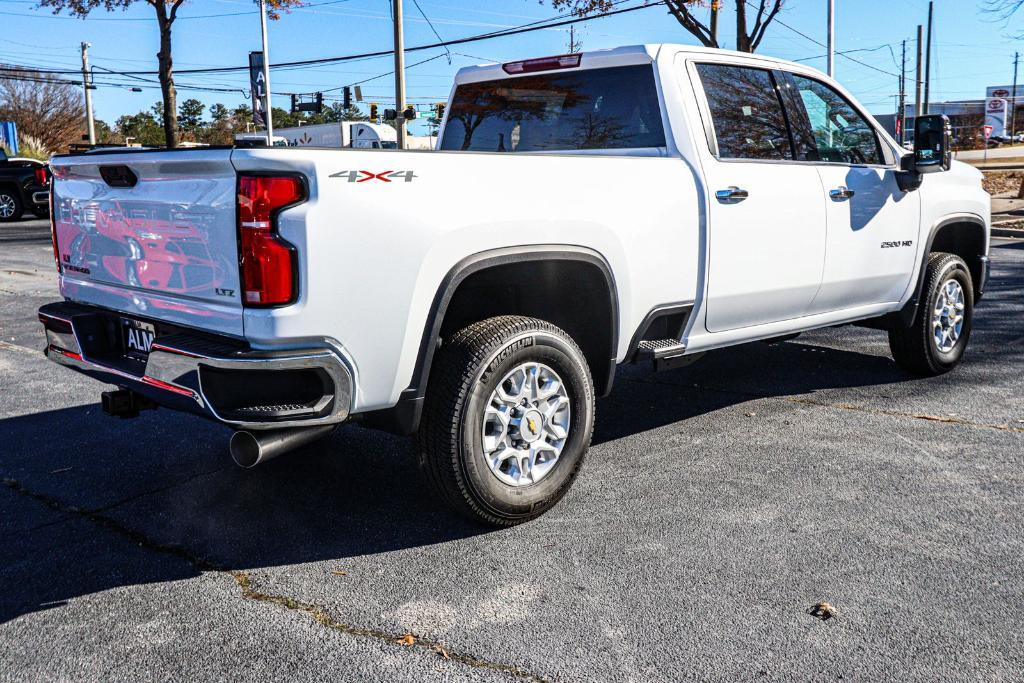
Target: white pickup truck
x: 644, y: 203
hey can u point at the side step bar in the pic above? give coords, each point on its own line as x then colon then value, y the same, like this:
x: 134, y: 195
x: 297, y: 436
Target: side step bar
x: 665, y: 354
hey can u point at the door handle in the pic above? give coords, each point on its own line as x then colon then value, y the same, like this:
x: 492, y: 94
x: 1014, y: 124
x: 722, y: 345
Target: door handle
x: 841, y: 192
x: 731, y: 192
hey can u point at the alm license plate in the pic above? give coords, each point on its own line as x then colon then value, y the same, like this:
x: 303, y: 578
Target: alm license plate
x: 138, y: 338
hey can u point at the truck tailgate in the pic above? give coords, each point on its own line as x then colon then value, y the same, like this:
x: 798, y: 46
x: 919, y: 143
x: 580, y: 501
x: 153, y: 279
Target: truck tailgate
x: 151, y: 233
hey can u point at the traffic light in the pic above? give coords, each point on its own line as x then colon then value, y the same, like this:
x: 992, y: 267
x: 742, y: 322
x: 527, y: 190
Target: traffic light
x: 410, y: 113
x: 390, y: 114
x: 319, y: 103
x: 373, y: 110
x: 346, y: 97
x: 440, y: 110
x: 295, y: 104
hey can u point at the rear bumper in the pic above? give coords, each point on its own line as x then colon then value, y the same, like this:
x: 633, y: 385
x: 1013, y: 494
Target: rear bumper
x: 215, y: 377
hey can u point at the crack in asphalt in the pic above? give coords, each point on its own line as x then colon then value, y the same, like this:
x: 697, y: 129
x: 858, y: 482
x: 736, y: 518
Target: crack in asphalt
x: 946, y: 419
x: 243, y: 581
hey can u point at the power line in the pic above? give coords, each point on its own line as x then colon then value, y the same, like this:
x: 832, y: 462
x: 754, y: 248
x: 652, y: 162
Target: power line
x: 821, y: 44
x: 525, y: 28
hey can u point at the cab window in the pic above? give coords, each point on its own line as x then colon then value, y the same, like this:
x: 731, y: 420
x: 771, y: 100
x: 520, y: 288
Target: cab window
x: 746, y: 112
x: 837, y: 132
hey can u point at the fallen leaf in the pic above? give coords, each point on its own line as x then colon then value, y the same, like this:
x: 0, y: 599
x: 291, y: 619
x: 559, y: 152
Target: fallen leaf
x: 338, y: 572
x: 439, y: 649
x: 823, y: 611
x: 408, y: 640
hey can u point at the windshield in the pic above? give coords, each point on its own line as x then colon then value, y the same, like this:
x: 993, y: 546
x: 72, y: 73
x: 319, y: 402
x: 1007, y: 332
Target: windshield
x: 615, y: 108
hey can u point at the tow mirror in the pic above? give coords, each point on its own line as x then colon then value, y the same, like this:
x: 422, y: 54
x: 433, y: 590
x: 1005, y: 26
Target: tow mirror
x: 933, y: 138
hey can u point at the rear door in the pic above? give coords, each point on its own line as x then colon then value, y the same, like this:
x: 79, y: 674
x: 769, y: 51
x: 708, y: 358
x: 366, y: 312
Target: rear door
x: 766, y: 214
x: 151, y: 234
x: 872, y: 224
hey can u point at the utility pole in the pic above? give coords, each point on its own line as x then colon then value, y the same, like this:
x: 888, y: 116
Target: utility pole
x: 87, y: 84
x: 831, y: 38
x: 901, y: 116
x: 714, y: 21
x: 399, y: 74
x: 920, y: 59
x: 266, y: 76
x: 1013, y: 98
x: 928, y: 58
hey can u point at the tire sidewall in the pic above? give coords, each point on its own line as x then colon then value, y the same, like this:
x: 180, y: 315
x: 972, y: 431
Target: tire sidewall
x: 954, y: 269
x: 18, y: 208
x: 494, y: 496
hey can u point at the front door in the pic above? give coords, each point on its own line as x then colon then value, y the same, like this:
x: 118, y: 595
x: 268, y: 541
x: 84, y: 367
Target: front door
x: 766, y: 215
x: 872, y: 224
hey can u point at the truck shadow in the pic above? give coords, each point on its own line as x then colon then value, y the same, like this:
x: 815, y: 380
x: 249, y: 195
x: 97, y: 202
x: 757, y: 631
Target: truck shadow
x: 90, y: 503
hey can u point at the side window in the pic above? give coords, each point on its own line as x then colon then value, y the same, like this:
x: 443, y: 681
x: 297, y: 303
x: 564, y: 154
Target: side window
x: 841, y: 135
x: 746, y: 112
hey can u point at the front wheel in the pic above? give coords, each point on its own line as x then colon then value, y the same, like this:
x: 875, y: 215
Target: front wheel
x: 935, y: 342
x: 508, y: 418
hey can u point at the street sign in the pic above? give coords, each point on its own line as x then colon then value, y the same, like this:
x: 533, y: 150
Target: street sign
x: 988, y: 131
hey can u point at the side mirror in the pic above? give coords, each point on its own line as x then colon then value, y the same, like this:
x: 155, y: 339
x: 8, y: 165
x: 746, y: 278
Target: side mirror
x: 933, y: 138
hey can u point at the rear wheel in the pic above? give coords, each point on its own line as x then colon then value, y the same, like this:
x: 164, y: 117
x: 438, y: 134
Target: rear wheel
x: 10, y: 205
x: 508, y: 418
x: 935, y: 342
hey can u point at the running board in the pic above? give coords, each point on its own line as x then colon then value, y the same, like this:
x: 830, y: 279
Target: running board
x: 665, y: 354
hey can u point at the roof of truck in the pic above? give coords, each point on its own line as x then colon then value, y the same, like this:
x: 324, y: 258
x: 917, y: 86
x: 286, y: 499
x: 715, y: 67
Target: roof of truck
x: 619, y: 56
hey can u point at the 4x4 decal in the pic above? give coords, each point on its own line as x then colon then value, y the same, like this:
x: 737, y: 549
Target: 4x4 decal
x: 363, y: 176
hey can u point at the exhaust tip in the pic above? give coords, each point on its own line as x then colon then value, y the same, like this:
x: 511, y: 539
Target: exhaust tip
x: 245, y: 449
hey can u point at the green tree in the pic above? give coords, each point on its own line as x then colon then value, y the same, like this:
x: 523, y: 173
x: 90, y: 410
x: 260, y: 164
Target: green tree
x: 190, y: 116
x: 142, y: 128
x: 747, y: 40
x: 166, y: 12
x: 218, y: 112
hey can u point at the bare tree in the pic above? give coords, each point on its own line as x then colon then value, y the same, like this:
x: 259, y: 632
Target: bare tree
x: 685, y: 12
x: 1003, y: 9
x: 47, y: 109
x: 166, y: 13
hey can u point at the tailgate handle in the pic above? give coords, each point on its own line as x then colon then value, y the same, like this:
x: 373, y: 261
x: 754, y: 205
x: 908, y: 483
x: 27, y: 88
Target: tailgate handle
x: 119, y: 176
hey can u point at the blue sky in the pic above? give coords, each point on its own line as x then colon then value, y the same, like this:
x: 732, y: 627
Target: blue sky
x: 970, y: 49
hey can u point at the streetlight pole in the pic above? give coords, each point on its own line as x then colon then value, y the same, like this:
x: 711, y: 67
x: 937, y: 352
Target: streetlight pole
x: 266, y: 76
x: 917, y: 82
x: 928, y: 59
x: 87, y: 84
x: 399, y: 74
x: 831, y: 37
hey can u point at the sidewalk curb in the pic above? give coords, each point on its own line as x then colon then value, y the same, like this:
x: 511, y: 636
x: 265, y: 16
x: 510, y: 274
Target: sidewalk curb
x: 1007, y: 232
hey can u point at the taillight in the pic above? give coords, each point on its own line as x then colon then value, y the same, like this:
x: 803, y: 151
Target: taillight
x: 53, y: 231
x: 543, y: 64
x: 41, y: 175
x: 268, y: 263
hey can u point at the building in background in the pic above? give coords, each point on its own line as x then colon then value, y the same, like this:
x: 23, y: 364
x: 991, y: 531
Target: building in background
x: 968, y: 117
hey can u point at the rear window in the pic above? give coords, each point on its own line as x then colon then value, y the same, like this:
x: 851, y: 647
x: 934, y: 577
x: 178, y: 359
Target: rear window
x: 614, y: 108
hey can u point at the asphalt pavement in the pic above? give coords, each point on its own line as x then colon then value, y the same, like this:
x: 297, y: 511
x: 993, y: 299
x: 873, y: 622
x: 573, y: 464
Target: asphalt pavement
x: 719, y: 503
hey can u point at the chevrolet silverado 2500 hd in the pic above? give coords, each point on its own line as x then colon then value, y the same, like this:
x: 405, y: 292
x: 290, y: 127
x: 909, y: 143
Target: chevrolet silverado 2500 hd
x: 644, y: 203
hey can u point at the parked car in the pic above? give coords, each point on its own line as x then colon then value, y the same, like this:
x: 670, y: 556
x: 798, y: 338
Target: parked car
x: 24, y: 184
x: 645, y: 204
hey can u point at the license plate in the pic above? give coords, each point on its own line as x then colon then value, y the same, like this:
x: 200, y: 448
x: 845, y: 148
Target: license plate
x: 138, y: 338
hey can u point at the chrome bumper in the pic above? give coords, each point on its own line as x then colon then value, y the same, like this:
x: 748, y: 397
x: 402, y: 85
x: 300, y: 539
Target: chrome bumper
x: 173, y: 374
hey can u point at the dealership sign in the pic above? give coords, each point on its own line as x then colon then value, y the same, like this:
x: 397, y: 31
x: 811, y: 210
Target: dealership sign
x: 995, y: 115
